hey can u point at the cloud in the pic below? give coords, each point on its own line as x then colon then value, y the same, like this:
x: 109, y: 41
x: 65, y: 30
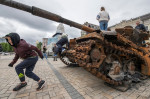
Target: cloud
x: 33, y: 28
x: 5, y: 25
x: 31, y: 35
x: 26, y: 18
x: 72, y: 32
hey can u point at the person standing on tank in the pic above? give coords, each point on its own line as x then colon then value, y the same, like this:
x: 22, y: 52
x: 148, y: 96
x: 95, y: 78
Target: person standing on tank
x: 28, y: 53
x: 103, y: 18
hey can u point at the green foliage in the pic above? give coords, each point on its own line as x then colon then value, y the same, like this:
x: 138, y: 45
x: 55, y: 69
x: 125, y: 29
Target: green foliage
x: 6, y: 47
x: 39, y: 45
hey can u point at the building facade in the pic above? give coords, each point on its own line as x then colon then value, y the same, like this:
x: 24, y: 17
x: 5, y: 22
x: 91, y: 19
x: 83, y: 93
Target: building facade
x: 44, y: 42
x: 49, y: 42
x: 144, y: 19
x: 96, y: 27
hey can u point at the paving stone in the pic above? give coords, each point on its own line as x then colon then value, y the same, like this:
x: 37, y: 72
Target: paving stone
x: 121, y: 97
x: 32, y: 95
x: 3, y: 91
x: 52, y: 94
x: 22, y: 95
x: 133, y: 95
x: 99, y: 96
x: 12, y: 95
x: 27, y: 97
x: 46, y: 97
x: 4, y: 95
x: 71, y: 83
x: 4, y: 98
x: 58, y: 97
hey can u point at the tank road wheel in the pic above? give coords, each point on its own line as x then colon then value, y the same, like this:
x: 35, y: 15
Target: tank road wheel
x: 97, y: 55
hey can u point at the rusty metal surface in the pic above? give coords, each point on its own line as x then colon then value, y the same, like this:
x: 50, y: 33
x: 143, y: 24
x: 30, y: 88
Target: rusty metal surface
x: 92, y: 50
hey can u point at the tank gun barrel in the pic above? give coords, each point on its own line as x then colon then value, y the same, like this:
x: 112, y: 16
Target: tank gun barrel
x: 44, y: 14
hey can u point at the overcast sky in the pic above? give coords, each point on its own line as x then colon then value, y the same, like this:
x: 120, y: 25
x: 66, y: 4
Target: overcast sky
x: 33, y: 28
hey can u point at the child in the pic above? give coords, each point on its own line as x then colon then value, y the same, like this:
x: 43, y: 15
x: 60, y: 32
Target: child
x: 26, y: 52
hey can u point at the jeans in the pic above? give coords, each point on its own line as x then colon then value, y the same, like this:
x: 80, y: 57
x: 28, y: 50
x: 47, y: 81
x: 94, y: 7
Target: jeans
x: 59, y: 49
x: 55, y: 57
x: 103, y: 25
x: 29, y: 65
x: 44, y: 54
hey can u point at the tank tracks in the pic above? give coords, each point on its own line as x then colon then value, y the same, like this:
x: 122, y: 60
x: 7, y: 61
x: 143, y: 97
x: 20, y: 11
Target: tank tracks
x: 82, y: 54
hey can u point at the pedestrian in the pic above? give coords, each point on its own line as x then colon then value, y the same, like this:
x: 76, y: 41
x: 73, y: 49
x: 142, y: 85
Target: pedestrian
x: 54, y: 50
x: 28, y: 53
x: 1, y: 48
x: 61, y: 42
x: 44, y: 52
x: 140, y: 26
x: 103, y: 18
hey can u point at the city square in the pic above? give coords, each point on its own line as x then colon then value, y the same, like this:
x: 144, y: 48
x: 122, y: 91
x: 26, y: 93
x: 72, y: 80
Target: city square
x: 63, y: 82
x: 74, y: 49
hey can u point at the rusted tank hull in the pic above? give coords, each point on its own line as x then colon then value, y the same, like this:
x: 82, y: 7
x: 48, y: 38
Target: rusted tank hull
x: 112, y: 61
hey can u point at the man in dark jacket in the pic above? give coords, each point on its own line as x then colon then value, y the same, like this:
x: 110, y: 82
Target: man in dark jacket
x: 26, y: 52
x: 140, y: 26
x: 61, y: 42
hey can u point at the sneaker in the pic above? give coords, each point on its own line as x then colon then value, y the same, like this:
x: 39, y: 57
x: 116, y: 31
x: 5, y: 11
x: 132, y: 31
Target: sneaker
x: 18, y: 87
x: 41, y: 85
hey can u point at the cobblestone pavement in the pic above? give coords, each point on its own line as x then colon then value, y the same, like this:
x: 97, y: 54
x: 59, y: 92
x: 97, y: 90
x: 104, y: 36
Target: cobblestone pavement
x: 63, y: 82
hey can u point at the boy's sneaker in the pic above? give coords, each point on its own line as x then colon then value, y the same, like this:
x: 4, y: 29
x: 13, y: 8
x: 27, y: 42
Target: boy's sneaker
x: 41, y: 85
x: 18, y: 87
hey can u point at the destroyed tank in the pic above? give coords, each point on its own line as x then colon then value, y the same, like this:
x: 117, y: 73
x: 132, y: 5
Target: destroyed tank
x: 117, y: 57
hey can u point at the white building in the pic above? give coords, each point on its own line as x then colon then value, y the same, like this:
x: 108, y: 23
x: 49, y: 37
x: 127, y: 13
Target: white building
x: 49, y: 42
x: 44, y: 42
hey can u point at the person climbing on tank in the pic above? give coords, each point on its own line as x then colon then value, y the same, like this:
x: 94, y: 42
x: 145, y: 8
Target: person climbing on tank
x: 27, y: 53
x: 61, y: 42
x: 140, y: 26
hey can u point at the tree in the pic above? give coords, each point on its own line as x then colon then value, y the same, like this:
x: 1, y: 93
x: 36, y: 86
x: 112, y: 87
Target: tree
x: 1, y: 48
x: 39, y: 45
x: 6, y: 47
